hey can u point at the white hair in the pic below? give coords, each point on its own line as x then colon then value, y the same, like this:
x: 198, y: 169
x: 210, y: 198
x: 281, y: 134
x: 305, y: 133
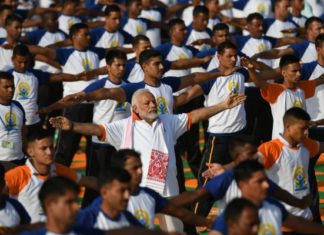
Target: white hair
x: 137, y: 94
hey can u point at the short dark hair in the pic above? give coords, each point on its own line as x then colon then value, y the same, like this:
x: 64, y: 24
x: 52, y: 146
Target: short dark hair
x: 244, y: 170
x: 312, y: 19
x: 119, y: 158
x: 114, y: 53
x: 13, y: 18
x: 319, y: 40
x: 174, y: 22
x: 235, y: 208
x: 71, y: 1
x: 112, y: 8
x: 56, y: 187
x: 37, y: 134
x: 200, y: 10
x: 239, y: 142
x: 114, y: 173
x: 220, y: 26
x: 138, y: 38
x: 76, y: 28
x: 5, y: 7
x: 253, y: 16
x: 147, y: 55
x: 21, y: 50
x: 295, y: 114
x: 130, y: 2
x: 225, y: 45
x: 287, y: 60
x: 49, y: 15
x: 6, y: 76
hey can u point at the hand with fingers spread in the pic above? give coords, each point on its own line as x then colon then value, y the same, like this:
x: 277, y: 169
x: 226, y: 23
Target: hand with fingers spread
x: 234, y: 100
x: 214, y: 169
x: 61, y: 123
x: 247, y: 63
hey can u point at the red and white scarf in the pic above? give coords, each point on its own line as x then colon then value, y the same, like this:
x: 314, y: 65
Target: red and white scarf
x: 159, y: 156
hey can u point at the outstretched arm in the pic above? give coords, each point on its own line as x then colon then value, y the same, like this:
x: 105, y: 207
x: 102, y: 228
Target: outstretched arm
x: 201, y: 114
x: 189, y: 63
x: 320, y: 80
x: 274, y: 53
x: 189, y: 197
x: 187, y: 96
x: 301, y: 225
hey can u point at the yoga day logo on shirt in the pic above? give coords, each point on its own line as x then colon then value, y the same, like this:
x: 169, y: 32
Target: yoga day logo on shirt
x: 142, y: 216
x: 113, y: 43
x: 139, y: 29
x: 86, y: 64
x: 161, y: 105
x: 121, y: 107
x: 232, y: 87
x: 261, y: 8
x: 10, y: 121
x: 261, y: 47
x: 299, y: 177
x: 266, y: 229
x: 298, y: 103
x: 183, y: 56
x: 23, y: 90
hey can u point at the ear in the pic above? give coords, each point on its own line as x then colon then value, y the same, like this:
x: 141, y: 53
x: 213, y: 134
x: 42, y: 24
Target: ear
x: 30, y: 151
x: 134, y: 109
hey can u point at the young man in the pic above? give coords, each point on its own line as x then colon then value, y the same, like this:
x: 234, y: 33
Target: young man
x: 252, y: 181
x: 24, y: 182
x: 68, y: 18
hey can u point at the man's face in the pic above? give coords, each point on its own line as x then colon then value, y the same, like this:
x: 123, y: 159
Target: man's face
x: 291, y: 72
x: 117, y: 68
x: 4, y: 15
x: 154, y: 67
x: 247, y: 224
x: 247, y: 152
x: 142, y: 45
x: 116, y: 195
x: 298, y: 131
x: 14, y: 30
x: 200, y: 22
x: 146, y: 3
x: 297, y: 4
x: 255, y: 27
x: 41, y: 151
x: 7, y: 89
x: 282, y: 8
x: 255, y: 188
x: 134, y: 167
x: 320, y: 50
x: 180, y: 32
x: 228, y: 58
x: 315, y: 29
x: 212, y: 6
x: 70, y: 8
x: 64, y: 208
x: 113, y: 21
x: 20, y: 63
x: 220, y: 36
x: 51, y: 22
x: 135, y: 8
x: 146, y: 107
x: 82, y: 37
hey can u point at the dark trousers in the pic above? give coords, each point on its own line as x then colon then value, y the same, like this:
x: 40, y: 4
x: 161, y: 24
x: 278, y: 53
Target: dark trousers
x: 99, y: 162
x: 68, y: 142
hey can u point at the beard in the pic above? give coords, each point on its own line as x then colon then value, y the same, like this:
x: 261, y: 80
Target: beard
x: 149, y: 115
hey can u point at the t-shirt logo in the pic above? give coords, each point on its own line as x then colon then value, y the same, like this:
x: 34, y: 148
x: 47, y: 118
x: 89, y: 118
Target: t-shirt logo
x: 121, y: 107
x: 261, y: 8
x: 86, y: 64
x: 298, y: 103
x: 113, y: 43
x: 232, y: 87
x: 142, y: 216
x: 10, y: 120
x: 23, y: 90
x: 299, y: 178
x: 139, y: 29
x: 266, y: 229
x: 183, y: 56
x: 161, y: 105
x: 261, y: 47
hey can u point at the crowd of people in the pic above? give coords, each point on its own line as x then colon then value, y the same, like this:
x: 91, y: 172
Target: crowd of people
x: 140, y: 79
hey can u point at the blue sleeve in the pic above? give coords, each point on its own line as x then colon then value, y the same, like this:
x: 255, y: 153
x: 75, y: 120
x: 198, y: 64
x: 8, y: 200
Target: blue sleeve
x: 220, y: 224
x: 162, y: 11
x: 43, y: 77
x: 218, y: 185
x: 299, y: 48
x: 87, y: 216
x: 96, y: 34
x: 272, y: 40
x: 193, y: 50
x: 283, y: 210
x: 101, y: 52
x: 131, y: 88
x: 24, y: 217
x: 95, y: 85
x: 35, y: 36
x: 129, y: 67
x: 267, y: 23
x: 41, y: 231
x: 272, y: 187
x: 164, y: 49
x: 206, y: 86
x: 167, y: 65
x: 132, y: 220
x: 146, y: 21
x: 245, y: 73
x: 307, y: 70
x: 240, y: 4
x: 202, y: 54
x: 241, y: 41
x: 173, y: 82
x: 22, y: 109
x: 128, y: 39
x: 62, y: 55
x: 160, y: 201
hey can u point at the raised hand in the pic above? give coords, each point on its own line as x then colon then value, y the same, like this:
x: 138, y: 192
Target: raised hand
x: 214, y: 169
x: 247, y: 63
x: 234, y: 100
x: 61, y: 123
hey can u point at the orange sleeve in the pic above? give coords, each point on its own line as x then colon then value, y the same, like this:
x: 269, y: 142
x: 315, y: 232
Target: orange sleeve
x: 312, y: 146
x: 62, y: 170
x: 16, y: 179
x: 103, y: 133
x: 308, y: 87
x: 271, y: 152
x: 271, y: 92
x: 189, y: 121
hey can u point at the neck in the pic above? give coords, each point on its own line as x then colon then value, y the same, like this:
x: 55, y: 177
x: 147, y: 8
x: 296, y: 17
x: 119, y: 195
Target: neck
x: 114, y: 79
x: 11, y: 41
x: 289, y: 139
x: 42, y: 169
x: 5, y: 102
x: 134, y: 188
x: 290, y: 85
x: 279, y: 17
x: 79, y: 48
x: 176, y: 43
x: 295, y: 12
x: 320, y: 60
x: 151, y: 81
x: 252, y: 199
x: 132, y: 15
x: 112, y: 213
x: 56, y: 226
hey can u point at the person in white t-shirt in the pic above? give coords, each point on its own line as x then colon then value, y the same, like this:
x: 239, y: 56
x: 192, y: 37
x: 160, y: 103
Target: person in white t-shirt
x: 67, y: 18
x: 4, y: 12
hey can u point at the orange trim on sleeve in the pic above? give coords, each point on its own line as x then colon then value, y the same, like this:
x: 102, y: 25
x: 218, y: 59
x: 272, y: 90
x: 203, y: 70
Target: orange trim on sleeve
x: 16, y: 179
x: 271, y: 92
x: 271, y: 152
x: 62, y: 170
x: 189, y: 121
x: 103, y: 133
x: 136, y: 117
x: 312, y: 146
x: 308, y: 87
